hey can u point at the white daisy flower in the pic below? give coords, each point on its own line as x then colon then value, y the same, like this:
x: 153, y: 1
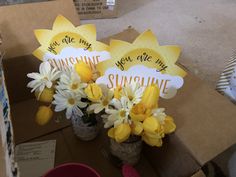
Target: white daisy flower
x: 71, y: 81
x: 134, y: 91
x: 69, y: 101
x: 160, y: 114
x: 45, y: 78
x: 103, y: 103
x: 120, y: 113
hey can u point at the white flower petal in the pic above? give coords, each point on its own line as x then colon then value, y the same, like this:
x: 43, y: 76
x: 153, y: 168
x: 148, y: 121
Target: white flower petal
x: 35, y: 76
x: 59, y: 108
x: 69, y: 112
x: 78, y: 111
x: 41, y: 88
x: 98, y: 109
x: 82, y: 104
x: 45, y: 68
x: 92, y: 107
x: 49, y: 84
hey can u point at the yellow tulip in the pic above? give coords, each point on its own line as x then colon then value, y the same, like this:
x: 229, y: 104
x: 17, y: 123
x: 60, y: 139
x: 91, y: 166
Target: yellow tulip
x: 137, y: 128
x: 139, y: 112
x: 46, y: 96
x: 121, y: 133
x: 152, y: 139
x: 151, y: 125
x: 169, y: 125
x: 111, y: 133
x: 93, y: 92
x: 44, y: 115
x: 84, y: 71
x: 151, y: 96
x: 117, y: 92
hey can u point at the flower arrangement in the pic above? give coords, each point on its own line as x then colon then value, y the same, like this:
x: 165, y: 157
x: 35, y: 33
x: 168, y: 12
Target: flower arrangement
x: 131, y: 110
x: 65, y: 90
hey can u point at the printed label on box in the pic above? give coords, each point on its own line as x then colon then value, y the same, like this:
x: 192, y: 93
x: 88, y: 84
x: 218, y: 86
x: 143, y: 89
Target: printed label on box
x: 93, y: 7
x: 111, y: 2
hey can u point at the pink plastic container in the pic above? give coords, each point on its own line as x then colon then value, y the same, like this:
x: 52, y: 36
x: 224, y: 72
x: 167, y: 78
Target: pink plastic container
x: 72, y: 170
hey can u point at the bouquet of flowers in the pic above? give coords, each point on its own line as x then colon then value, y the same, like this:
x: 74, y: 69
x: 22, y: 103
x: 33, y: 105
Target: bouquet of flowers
x: 133, y: 110
x: 132, y: 114
x: 129, y: 110
x: 68, y: 90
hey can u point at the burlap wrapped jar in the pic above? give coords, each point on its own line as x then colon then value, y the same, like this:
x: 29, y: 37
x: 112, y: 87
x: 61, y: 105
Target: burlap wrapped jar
x: 86, y: 131
x: 128, y: 151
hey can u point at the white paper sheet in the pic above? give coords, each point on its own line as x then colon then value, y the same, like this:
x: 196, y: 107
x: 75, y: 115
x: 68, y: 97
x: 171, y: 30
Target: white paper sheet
x: 35, y: 159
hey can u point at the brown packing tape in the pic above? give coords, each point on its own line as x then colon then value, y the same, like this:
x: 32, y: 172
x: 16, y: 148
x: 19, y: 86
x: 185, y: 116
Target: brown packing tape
x: 17, y: 23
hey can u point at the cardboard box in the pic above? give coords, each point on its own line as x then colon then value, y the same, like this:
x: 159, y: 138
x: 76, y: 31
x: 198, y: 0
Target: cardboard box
x: 92, y: 9
x: 18, y: 40
x: 205, y: 119
x: 199, y: 174
x: 87, y: 9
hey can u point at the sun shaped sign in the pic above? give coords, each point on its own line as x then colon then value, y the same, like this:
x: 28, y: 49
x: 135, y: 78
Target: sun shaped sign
x: 66, y: 44
x: 143, y: 61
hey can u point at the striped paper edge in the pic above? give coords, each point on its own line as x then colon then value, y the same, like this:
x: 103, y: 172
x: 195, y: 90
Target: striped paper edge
x: 225, y: 76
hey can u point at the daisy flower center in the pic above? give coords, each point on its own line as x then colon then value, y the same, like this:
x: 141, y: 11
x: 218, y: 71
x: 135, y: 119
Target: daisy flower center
x: 122, y: 113
x: 130, y: 97
x: 74, y: 86
x: 45, y: 78
x: 105, y: 102
x: 71, y: 101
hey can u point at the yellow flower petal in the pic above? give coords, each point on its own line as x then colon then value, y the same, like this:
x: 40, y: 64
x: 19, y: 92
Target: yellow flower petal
x: 111, y: 132
x: 44, y: 115
x: 139, y: 112
x: 151, y: 125
x: 151, y: 96
x: 117, y: 92
x: 137, y: 128
x: 46, y: 96
x: 122, y: 132
x: 93, y: 92
x: 84, y: 71
x: 169, y: 125
x: 152, y: 139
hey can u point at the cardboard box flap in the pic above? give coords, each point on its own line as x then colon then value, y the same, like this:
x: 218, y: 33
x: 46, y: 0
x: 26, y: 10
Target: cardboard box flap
x: 17, y: 23
x: 199, y: 174
x: 98, y: 158
x: 205, y: 119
